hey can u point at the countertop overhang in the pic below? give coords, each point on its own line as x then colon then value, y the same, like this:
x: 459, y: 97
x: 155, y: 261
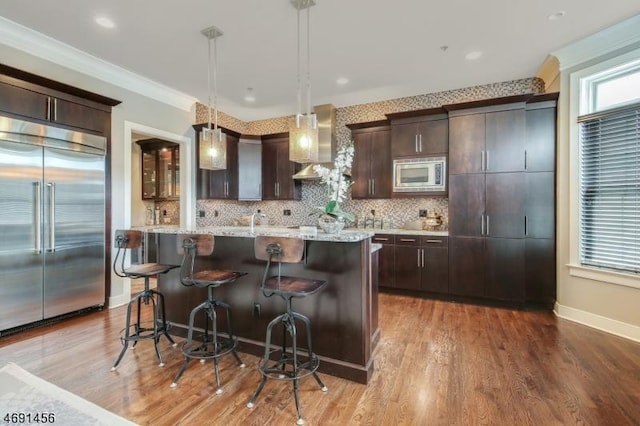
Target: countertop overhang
x: 345, y: 236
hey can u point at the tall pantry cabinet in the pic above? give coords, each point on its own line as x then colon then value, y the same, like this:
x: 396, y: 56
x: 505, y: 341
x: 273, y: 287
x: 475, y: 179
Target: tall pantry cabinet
x: 502, y: 200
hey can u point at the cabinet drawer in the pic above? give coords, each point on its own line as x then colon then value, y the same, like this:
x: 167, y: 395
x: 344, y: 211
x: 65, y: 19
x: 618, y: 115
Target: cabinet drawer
x: 408, y: 240
x: 383, y: 239
x: 434, y: 241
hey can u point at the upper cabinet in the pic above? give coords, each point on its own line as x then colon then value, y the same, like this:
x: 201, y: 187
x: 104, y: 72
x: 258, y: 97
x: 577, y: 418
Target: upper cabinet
x: 419, y: 136
x: 249, y: 169
x: 34, y: 99
x: 218, y: 184
x: 160, y: 169
x: 492, y: 141
x: 371, y: 168
x: 277, y: 170
x: 419, y: 133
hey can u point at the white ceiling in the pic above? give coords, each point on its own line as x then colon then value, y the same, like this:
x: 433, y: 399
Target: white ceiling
x: 387, y: 49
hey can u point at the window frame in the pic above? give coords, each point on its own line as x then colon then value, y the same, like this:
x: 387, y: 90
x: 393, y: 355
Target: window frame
x: 581, y: 94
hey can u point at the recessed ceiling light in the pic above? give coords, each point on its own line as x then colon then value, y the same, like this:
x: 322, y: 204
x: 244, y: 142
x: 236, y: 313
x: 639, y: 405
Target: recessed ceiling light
x: 472, y: 56
x: 249, y: 96
x: 105, y: 22
x: 342, y: 81
x: 557, y: 15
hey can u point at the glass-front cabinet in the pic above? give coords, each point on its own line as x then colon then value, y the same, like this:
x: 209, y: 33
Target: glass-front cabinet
x: 160, y: 169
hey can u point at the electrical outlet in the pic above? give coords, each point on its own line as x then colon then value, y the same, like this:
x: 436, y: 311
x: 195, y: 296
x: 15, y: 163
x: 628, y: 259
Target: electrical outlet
x: 286, y: 212
x: 216, y: 213
x: 422, y: 212
x: 201, y: 213
x: 256, y: 310
x: 373, y: 212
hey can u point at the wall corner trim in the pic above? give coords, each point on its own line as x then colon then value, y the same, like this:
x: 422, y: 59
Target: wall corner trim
x: 608, y: 40
x: 608, y: 325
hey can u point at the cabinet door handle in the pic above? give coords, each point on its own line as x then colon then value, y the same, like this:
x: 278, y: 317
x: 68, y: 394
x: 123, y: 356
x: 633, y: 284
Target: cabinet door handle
x: 369, y: 187
x: 55, y: 109
x: 418, y: 251
x: 420, y: 141
x: 482, y: 161
x: 487, y: 225
x: 48, y: 115
x: 434, y: 241
x: 486, y: 161
x: 422, y: 256
x: 525, y: 159
x: 482, y: 225
x: 415, y: 143
x: 373, y: 187
x: 380, y: 239
x: 525, y: 226
x: 408, y: 240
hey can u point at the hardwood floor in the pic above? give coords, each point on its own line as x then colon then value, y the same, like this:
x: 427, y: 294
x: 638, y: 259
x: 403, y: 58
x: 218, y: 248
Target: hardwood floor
x: 437, y: 363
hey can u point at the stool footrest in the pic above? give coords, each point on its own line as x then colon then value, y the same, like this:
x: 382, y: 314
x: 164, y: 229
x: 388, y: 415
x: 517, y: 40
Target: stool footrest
x: 208, y: 350
x: 283, y: 369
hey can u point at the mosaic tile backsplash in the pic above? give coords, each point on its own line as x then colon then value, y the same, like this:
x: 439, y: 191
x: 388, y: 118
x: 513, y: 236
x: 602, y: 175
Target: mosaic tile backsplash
x: 395, y: 212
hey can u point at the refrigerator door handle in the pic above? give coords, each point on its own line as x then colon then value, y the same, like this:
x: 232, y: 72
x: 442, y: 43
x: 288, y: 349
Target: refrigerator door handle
x: 38, y: 217
x: 52, y: 217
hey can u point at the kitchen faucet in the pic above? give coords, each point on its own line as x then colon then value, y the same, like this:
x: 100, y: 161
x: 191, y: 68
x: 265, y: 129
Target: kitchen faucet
x: 253, y: 217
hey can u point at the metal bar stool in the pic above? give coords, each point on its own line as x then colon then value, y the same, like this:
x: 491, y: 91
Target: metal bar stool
x: 290, y: 365
x: 213, y: 346
x: 129, y: 240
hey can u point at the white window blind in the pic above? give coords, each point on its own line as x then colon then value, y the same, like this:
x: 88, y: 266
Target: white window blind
x: 610, y: 189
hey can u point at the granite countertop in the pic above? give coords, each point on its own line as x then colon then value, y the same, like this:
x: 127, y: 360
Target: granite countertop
x: 347, y: 235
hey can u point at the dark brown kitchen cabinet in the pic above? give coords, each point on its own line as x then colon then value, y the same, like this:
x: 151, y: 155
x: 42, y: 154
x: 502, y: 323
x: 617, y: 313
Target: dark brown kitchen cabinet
x: 371, y: 169
x: 160, y: 169
x: 414, y: 262
x: 277, y: 170
x: 502, y: 201
x: 420, y: 136
x: 386, y: 259
x: 28, y: 101
x: 435, y: 264
x: 223, y: 184
x: 490, y: 142
x: 490, y: 268
x: 489, y: 204
x: 540, y: 138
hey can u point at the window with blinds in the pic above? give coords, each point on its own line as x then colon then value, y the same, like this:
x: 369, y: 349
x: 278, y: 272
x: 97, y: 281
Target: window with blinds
x: 610, y: 189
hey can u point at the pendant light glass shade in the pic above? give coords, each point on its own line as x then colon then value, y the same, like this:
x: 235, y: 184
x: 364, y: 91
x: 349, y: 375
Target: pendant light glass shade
x: 303, y: 139
x: 303, y: 128
x: 213, y: 149
x: 213, y: 144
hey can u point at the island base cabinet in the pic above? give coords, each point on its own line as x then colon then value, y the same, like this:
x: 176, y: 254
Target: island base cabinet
x: 340, y: 313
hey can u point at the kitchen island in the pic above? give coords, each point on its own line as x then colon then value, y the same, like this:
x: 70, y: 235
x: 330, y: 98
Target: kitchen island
x: 344, y: 315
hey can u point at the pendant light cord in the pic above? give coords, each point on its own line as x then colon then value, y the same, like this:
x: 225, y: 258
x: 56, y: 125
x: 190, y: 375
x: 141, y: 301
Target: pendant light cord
x: 308, y: 61
x: 215, y: 82
x: 209, y: 82
x: 298, y: 63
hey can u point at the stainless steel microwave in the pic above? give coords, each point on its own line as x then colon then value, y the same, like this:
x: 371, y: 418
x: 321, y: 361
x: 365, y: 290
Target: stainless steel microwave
x: 427, y: 174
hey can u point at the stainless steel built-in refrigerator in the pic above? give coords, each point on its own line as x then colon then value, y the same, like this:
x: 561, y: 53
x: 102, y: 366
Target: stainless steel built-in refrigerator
x: 52, y: 222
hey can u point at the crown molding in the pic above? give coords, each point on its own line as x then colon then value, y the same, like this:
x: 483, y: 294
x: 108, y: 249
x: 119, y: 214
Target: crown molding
x: 608, y: 40
x: 39, y: 45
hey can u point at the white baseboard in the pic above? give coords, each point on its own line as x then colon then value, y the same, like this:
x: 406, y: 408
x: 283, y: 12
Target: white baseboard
x: 119, y: 300
x: 619, y: 328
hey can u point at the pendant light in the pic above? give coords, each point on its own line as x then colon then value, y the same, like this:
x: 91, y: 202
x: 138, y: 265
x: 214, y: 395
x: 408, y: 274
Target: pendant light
x: 213, y: 144
x: 303, y: 128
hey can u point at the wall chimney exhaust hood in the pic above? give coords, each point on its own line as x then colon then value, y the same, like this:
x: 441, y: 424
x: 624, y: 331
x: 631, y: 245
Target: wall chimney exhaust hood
x: 327, y: 145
